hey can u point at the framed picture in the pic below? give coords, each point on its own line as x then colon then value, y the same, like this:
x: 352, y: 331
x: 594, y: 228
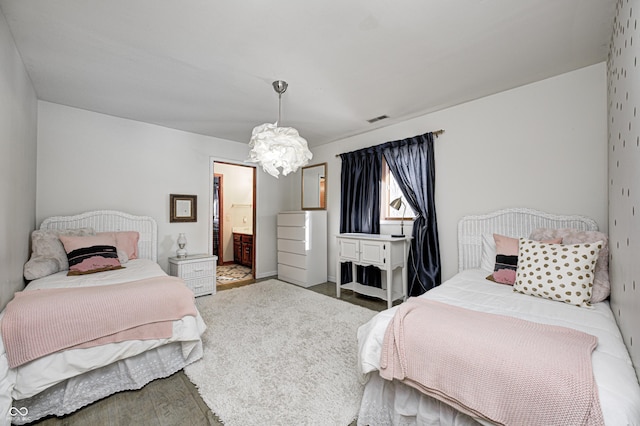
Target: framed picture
x: 183, y: 208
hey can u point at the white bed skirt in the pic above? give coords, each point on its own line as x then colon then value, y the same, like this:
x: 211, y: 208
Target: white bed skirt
x: 386, y: 403
x: 127, y: 374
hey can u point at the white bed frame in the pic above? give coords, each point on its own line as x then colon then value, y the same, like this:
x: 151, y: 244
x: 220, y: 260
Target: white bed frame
x: 121, y: 375
x: 112, y: 221
x: 513, y: 222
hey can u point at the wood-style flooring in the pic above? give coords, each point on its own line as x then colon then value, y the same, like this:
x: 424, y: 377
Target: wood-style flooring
x: 174, y: 400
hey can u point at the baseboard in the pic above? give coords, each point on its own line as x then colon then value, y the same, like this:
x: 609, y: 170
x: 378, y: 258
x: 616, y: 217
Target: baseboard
x: 270, y: 274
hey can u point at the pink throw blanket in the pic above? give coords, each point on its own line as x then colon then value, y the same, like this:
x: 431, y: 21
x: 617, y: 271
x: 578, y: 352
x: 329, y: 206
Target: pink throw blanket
x: 40, y: 322
x: 505, y: 370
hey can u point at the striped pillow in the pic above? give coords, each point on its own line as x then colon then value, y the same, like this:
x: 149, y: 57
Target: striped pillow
x: 504, y: 271
x: 91, y: 254
x: 127, y: 241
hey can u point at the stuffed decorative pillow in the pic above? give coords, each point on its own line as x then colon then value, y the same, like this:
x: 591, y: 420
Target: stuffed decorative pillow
x: 560, y: 272
x: 504, y: 271
x: 47, y: 252
x: 601, y: 285
x: 91, y: 254
x: 39, y: 267
x: 126, y: 241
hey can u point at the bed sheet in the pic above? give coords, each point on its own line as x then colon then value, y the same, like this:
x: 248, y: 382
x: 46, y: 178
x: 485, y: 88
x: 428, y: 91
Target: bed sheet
x: 618, y: 387
x: 32, y: 378
x: 136, y: 269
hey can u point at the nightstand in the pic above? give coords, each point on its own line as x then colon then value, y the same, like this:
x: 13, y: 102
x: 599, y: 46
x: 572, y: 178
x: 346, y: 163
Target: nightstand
x: 197, y: 270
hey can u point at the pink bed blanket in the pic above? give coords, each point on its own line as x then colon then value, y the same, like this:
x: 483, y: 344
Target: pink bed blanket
x: 501, y: 369
x: 40, y: 322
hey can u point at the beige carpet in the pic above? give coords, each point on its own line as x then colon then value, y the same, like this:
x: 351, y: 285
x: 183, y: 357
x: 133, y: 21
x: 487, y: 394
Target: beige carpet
x: 277, y: 354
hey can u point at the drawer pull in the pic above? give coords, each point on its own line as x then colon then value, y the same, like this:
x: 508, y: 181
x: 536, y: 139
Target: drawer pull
x: 198, y: 270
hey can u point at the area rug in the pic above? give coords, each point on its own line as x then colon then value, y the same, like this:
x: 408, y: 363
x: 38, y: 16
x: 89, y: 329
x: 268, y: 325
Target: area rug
x: 227, y: 274
x: 277, y: 354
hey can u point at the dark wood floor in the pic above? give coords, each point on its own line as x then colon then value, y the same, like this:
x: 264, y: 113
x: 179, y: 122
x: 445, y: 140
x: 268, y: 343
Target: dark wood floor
x: 174, y: 400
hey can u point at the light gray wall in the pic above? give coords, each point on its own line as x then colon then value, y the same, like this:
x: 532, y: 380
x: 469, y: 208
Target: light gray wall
x: 18, y: 116
x: 90, y: 161
x: 542, y: 146
x: 624, y: 175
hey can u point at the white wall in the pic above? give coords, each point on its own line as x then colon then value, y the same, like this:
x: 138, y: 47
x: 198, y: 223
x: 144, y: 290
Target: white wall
x: 18, y: 116
x: 91, y: 161
x: 542, y: 146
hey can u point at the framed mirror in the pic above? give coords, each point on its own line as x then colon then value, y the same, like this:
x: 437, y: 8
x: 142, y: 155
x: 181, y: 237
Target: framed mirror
x: 314, y: 184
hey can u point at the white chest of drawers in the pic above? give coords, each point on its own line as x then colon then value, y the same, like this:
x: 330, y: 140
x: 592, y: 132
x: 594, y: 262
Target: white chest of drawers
x: 302, y: 247
x: 198, y: 271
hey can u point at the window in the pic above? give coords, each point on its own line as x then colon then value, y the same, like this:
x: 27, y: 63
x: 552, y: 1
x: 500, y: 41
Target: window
x: 390, y: 191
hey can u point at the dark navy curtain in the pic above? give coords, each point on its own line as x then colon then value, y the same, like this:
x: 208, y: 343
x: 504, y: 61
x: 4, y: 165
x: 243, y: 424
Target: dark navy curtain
x: 360, y: 205
x: 412, y: 163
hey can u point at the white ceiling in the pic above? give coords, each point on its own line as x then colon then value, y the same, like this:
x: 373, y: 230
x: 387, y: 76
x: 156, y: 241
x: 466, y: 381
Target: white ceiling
x: 206, y: 66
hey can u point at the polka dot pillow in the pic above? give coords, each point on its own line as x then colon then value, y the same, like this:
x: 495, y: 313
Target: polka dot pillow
x: 560, y: 272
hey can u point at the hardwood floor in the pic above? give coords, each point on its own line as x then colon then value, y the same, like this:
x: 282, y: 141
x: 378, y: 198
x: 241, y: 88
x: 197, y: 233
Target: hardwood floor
x: 174, y: 400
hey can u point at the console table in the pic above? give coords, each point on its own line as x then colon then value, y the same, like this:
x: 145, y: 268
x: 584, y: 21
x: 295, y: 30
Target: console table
x: 385, y: 252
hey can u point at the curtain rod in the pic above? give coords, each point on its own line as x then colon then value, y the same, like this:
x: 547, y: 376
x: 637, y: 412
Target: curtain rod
x: 436, y: 133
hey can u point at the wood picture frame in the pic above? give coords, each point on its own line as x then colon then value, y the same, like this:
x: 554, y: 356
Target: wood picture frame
x: 183, y: 208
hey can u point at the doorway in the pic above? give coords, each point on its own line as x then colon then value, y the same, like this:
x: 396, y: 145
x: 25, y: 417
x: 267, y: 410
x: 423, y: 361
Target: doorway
x: 218, y: 215
x: 233, y: 221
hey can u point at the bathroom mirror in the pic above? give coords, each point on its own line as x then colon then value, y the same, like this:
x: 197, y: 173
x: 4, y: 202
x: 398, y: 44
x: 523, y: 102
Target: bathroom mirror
x: 314, y: 195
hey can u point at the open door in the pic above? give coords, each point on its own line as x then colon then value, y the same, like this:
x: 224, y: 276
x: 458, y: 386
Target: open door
x: 233, y: 219
x: 218, y: 215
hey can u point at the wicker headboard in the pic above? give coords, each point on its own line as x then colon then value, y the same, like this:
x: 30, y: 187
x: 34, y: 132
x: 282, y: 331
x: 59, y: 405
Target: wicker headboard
x: 110, y: 221
x: 514, y: 222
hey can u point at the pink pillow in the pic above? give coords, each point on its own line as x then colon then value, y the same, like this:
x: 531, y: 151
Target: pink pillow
x: 91, y: 254
x: 507, y: 258
x: 126, y: 241
x: 506, y: 245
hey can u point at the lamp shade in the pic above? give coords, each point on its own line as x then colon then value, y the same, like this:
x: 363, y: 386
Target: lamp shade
x: 273, y: 146
x: 276, y: 147
x: 182, y: 242
x: 396, y: 204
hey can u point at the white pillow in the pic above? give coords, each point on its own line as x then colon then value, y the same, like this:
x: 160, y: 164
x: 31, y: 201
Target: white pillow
x: 560, y: 272
x: 123, y: 257
x: 488, y: 260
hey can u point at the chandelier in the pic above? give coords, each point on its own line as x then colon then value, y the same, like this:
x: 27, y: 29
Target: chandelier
x: 276, y: 147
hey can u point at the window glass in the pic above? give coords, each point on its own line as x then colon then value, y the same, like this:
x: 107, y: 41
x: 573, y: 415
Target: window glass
x: 391, y: 191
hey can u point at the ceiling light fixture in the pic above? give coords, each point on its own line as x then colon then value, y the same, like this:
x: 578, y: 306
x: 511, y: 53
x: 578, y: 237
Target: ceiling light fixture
x: 273, y: 146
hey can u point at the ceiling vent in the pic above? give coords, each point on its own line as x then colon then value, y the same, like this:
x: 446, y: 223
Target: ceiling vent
x: 373, y: 120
